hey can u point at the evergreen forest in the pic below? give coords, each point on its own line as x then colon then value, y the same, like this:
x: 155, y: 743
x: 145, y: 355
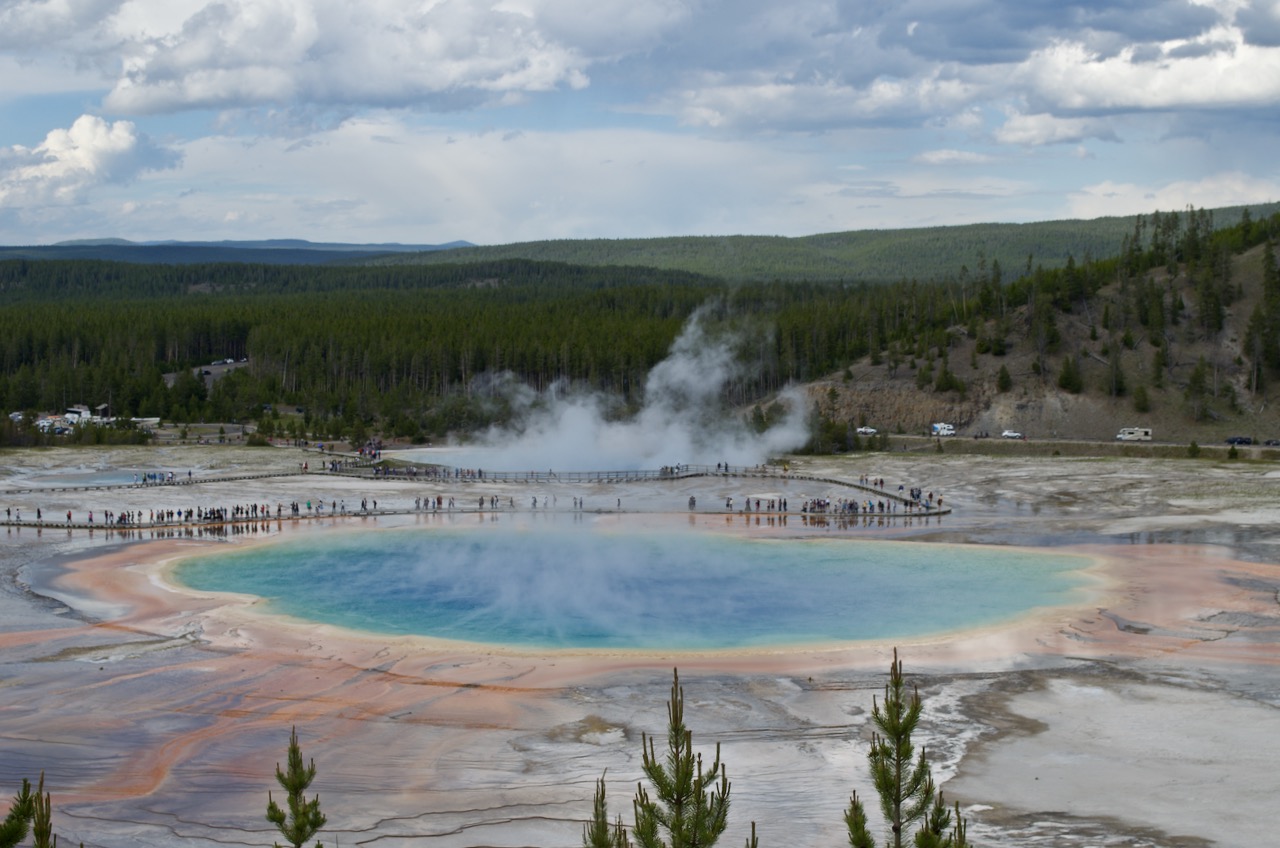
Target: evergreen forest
x: 413, y: 351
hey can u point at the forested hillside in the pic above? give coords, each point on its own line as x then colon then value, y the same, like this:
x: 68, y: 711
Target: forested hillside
x: 265, y: 252
x: 877, y: 256
x: 1184, y: 311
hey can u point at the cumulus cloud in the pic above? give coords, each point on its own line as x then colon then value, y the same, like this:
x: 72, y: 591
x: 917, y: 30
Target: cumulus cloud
x: 822, y: 104
x: 617, y: 107
x: 70, y: 162
x: 1259, y: 22
x: 803, y: 66
x: 1067, y: 76
x: 814, y: 66
x: 443, y: 55
x: 1222, y: 189
x: 28, y: 23
x: 1007, y: 31
x: 1047, y: 129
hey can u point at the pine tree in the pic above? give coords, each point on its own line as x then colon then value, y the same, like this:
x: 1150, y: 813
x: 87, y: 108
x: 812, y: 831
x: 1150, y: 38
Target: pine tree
x: 42, y: 819
x: 17, y: 822
x: 1004, y: 382
x: 1116, y: 386
x: 1197, y: 391
x: 1141, y: 401
x: 599, y: 833
x: 692, y: 806
x: 907, y: 792
x: 304, y: 818
x: 1069, y: 378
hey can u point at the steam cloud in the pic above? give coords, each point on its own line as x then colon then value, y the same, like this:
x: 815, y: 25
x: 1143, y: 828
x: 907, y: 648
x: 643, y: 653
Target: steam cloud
x: 682, y: 420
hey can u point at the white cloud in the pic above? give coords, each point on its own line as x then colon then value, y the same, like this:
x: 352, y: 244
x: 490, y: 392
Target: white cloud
x: 647, y: 117
x: 1230, y: 188
x: 1032, y: 130
x: 244, y: 53
x: 28, y: 23
x: 605, y: 28
x: 69, y: 163
x: 817, y: 105
x: 1067, y: 76
x: 951, y: 157
x: 384, y: 179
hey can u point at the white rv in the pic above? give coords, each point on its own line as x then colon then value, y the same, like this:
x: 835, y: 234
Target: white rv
x: 943, y: 430
x: 1134, y: 434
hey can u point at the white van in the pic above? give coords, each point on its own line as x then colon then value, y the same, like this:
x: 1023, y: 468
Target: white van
x: 1134, y: 434
x: 943, y: 430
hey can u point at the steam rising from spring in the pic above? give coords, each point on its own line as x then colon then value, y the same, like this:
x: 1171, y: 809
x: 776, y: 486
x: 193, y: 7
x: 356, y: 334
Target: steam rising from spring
x: 682, y: 420
x: 535, y: 579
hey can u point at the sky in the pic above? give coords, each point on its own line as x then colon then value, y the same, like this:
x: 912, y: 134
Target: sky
x: 428, y: 121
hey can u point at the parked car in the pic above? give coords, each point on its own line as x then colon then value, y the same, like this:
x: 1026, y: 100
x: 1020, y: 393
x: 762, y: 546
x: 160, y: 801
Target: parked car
x: 1239, y: 440
x: 866, y: 431
x: 1272, y: 443
x: 1011, y: 434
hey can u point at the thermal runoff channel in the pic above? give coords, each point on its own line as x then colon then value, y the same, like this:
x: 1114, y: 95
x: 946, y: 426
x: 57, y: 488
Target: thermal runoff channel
x: 577, y: 587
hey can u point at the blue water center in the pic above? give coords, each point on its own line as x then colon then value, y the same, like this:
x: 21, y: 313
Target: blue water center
x: 580, y: 587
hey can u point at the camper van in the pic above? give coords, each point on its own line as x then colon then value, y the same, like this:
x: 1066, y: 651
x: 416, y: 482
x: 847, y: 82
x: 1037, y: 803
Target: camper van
x: 1134, y: 434
x: 943, y: 430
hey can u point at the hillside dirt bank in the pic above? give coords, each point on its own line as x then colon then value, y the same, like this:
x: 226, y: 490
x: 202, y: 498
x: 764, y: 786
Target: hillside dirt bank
x: 1039, y: 411
x: 158, y: 715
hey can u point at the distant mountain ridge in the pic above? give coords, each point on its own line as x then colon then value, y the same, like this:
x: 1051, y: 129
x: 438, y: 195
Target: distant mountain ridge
x: 856, y: 256
x: 303, y: 244
x: 870, y: 256
x: 264, y: 251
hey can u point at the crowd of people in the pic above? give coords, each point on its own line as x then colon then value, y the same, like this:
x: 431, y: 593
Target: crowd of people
x: 913, y: 500
x: 157, y: 478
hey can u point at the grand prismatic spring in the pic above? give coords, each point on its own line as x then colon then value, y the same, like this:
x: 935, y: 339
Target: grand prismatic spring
x: 560, y: 585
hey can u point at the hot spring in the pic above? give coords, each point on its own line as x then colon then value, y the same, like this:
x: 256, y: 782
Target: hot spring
x: 549, y: 586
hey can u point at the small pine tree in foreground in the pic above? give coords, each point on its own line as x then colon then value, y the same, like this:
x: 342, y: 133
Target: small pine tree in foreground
x: 17, y: 822
x: 30, y: 812
x: 42, y: 819
x: 907, y: 792
x: 599, y: 833
x: 304, y: 818
x: 690, y: 804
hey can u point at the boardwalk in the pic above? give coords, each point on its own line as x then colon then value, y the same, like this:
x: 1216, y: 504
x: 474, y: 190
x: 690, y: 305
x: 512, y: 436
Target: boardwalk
x: 881, y: 502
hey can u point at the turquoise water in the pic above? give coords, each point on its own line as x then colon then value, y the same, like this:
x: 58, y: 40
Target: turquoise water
x: 577, y: 587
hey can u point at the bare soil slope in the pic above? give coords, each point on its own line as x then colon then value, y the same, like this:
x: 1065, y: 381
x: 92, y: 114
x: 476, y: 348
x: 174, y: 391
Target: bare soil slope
x: 891, y: 398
